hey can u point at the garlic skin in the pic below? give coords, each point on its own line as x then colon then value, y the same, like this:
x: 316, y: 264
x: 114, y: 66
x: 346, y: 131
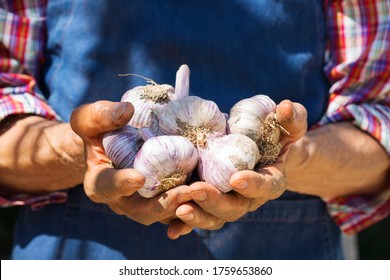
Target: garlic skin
x: 165, y: 161
x: 255, y: 117
x: 248, y: 115
x: 144, y: 98
x: 153, y: 95
x: 182, y: 84
x: 122, y: 145
x: 192, y: 117
x: 225, y: 155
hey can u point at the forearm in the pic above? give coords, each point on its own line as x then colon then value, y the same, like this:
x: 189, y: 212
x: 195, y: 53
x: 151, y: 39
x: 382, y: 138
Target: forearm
x: 38, y: 155
x: 336, y: 160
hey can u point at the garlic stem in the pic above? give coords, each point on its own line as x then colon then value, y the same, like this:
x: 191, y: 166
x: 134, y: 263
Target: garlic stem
x: 148, y: 80
x: 182, y: 85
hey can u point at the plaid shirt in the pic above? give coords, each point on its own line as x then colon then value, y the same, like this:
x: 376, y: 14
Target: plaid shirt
x: 357, y: 64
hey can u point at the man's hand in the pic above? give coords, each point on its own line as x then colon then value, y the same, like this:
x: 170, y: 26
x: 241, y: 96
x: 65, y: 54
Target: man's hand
x: 117, y: 188
x: 210, y: 208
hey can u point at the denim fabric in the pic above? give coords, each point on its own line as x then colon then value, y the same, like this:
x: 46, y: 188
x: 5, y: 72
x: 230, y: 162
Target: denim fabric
x: 235, y: 49
x: 292, y: 227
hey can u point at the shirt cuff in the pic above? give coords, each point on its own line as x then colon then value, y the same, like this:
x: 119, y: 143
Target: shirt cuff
x: 357, y: 212
x: 20, y: 95
x: 374, y: 119
x: 25, y: 104
x: 36, y: 202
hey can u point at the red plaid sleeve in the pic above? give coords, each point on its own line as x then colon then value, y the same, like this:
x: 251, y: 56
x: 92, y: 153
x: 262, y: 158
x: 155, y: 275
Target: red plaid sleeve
x: 358, y: 63
x: 22, y: 37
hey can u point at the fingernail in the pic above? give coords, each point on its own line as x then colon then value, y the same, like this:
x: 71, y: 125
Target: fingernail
x: 172, y: 234
x: 183, y: 197
x: 118, y: 111
x: 133, y: 184
x: 239, y: 185
x: 188, y: 217
x: 294, y: 112
x: 199, y: 196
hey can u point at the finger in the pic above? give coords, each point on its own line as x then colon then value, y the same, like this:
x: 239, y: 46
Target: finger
x: 194, y: 216
x: 160, y: 208
x: 292, y: 117
x: 262, y: 186
x: 103, y: 183
x: 178, y: 228
x: 228, y: 206
x: 92, y: 120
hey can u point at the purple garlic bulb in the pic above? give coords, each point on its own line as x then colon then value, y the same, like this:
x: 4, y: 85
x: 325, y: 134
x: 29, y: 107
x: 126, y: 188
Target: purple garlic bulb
x: 122, y: 145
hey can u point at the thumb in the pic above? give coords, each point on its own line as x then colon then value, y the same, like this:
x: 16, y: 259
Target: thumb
x: 93, y: 119
x: 292, y: 117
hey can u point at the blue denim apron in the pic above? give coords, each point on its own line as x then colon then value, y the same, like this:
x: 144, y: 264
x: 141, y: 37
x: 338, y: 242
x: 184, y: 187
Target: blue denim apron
x: 235, y: 49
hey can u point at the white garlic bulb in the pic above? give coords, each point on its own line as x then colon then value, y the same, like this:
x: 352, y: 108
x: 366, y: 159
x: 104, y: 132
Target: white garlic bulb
x: 144, y: 98
x: 255, y: 117
x: 122, y: 145
x: 153, y: 95
x: 166, y: 162
x: 225, y: 155
x: 192, y: 117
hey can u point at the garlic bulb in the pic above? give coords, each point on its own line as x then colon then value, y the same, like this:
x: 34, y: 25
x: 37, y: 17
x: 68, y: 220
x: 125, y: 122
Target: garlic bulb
x: 192, y: 117
x: 144, y: 98
x: 153, y: 95
x: 255, y: 117
x: 166, y: 162
x: 225, y: 155
x: 122, y: 145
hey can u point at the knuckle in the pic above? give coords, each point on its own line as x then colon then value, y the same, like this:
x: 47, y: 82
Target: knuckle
x: 256, y: 204
x: 236, y: 215
x: 91, y: 193
x: 139, y: 217
x: 218, y: 225
x: 279, y: 185
x: 115, y: 207
x: 99, y: 110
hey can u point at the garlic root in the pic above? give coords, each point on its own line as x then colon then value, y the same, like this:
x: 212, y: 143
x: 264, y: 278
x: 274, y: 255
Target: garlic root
x: 192, y: 117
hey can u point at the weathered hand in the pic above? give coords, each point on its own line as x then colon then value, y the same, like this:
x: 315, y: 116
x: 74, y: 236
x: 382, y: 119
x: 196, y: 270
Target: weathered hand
x: 117, y: 188
x: 210, y: 208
